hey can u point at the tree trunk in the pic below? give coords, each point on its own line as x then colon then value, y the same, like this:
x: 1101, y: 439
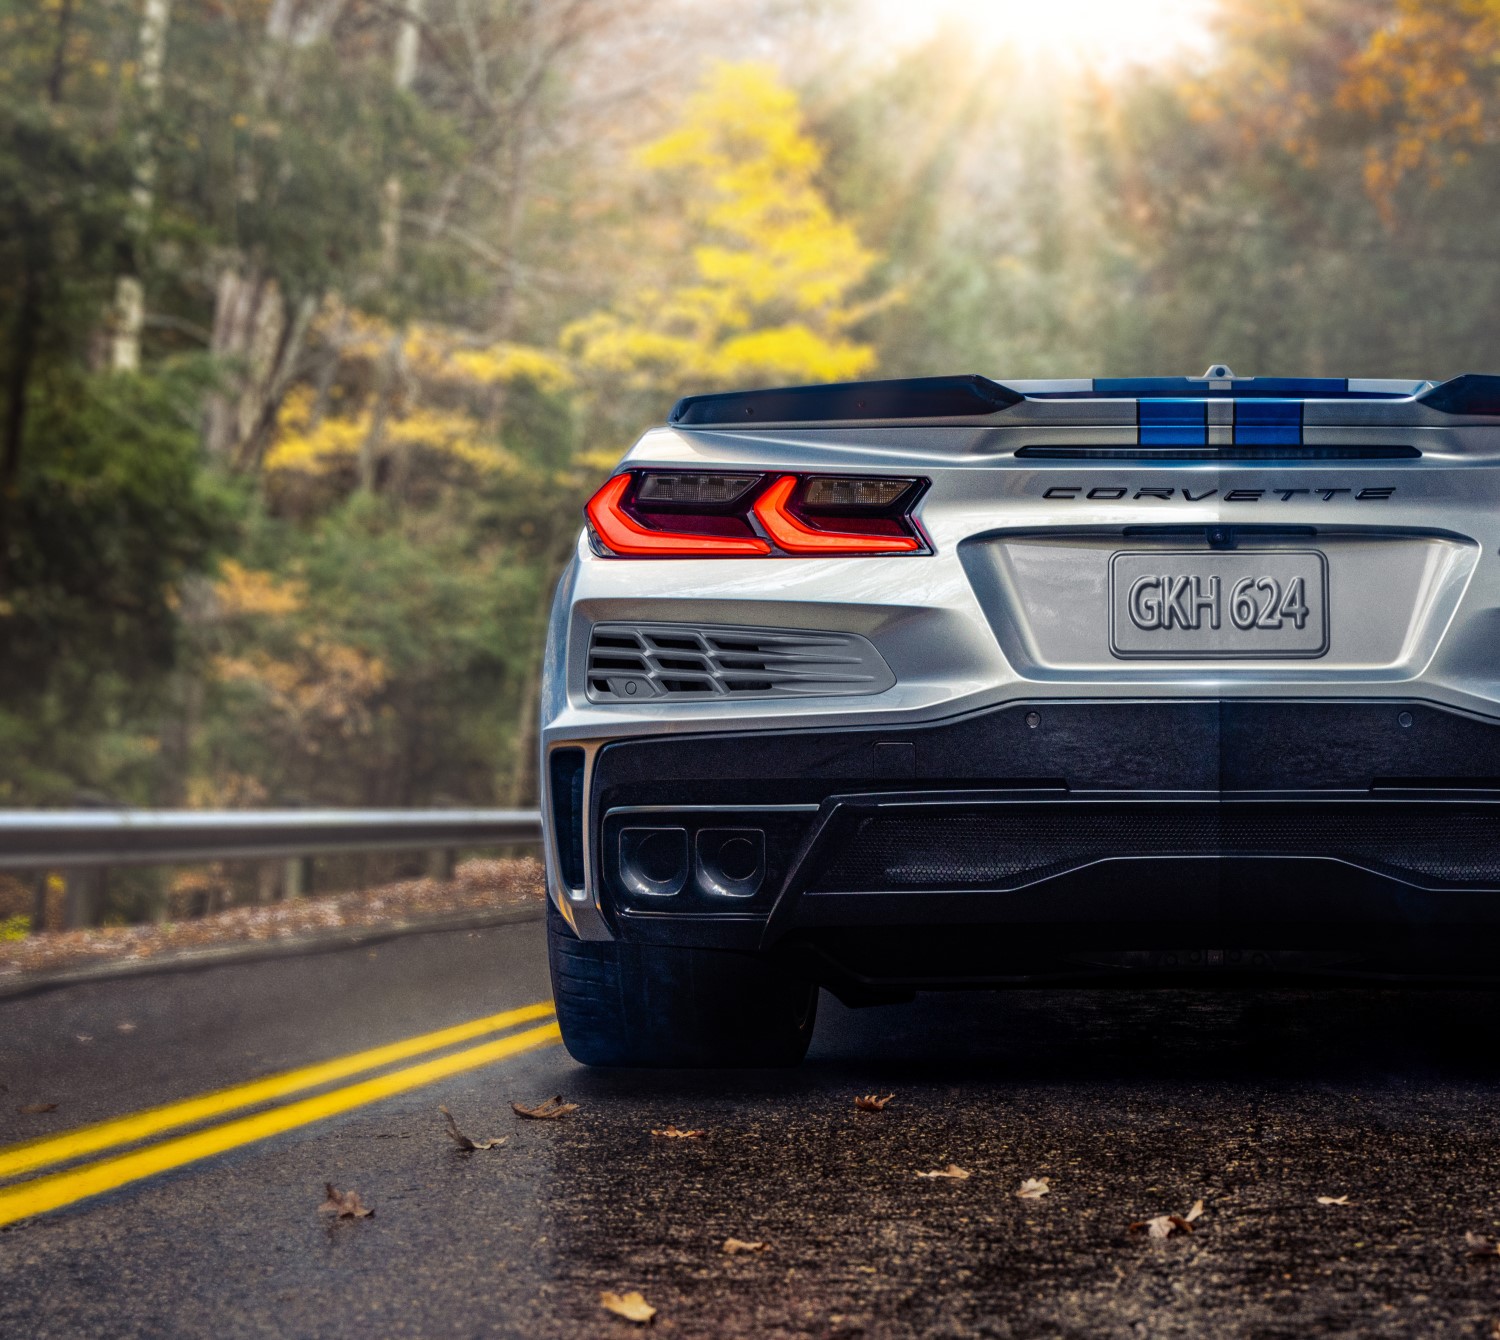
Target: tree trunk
x: 283, y: 371
x: 259, y: 344
x: 185, y: 698
x: 374, y: 440
x: 24, y: 341
x: 523, y: 777
x: 252, y: 326
x: 130, y: 295
x: 403, y: 72
x: 59, y: 70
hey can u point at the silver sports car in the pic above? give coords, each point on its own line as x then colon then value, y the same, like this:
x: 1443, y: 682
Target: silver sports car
x: 902, y: 685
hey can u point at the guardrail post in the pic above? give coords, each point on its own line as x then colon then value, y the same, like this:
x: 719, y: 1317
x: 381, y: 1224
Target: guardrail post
x: 268, y: 882
x: 84, y: 899
x: 39, y: 903
x: 299, y: 877
x: 442, y: 863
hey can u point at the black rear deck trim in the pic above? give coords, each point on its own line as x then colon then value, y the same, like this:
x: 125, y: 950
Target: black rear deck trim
x: 908, y: 398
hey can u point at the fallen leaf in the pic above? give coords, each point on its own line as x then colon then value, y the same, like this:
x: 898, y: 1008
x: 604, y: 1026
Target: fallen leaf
x: 873, y: 1102
x: 952, y: 1170
x: 125, y: 1026
x: 1164, y: 1225
x: 345, y: 1204
x: 631, y: 1306
x: 672, y: 1133
x: 31, y: 1109
x: 1333, y: 1200
x: 1479, y: 1245
x: 734, y: 1246
x: 84, y: 1037
x: 1034, y: 1188
x: 551, y: 1110
x: 462, y: 1140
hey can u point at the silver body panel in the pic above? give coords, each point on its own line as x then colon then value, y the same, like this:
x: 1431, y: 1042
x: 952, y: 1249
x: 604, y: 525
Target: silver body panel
x: 1014, y: 604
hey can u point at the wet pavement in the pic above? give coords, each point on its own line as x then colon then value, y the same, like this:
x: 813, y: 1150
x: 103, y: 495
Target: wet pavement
x: 1131, y: 1104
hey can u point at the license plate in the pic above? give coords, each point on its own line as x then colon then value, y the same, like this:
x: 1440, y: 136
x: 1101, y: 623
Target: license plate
x: 1230, y: 604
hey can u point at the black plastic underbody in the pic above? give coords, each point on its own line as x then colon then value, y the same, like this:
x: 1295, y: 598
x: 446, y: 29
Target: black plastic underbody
x: 1090, y: 840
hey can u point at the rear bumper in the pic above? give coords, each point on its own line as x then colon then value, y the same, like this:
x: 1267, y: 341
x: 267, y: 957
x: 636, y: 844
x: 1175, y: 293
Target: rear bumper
x: 1039, y: 837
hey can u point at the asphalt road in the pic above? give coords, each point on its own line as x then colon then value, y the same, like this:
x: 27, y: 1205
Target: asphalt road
x: 1131, y: 1104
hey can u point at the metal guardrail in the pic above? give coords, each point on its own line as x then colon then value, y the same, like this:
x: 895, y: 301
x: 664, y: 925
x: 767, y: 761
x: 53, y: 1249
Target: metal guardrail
x: 58, y: 839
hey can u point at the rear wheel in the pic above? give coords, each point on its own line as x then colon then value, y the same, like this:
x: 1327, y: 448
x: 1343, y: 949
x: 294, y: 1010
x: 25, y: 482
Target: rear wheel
x: 652, y: 1005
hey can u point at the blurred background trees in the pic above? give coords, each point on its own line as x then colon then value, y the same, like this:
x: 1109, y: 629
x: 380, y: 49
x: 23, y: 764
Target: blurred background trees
x: 319, y: 319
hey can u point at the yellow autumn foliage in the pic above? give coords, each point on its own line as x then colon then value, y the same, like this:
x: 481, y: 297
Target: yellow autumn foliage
x: 336, y: 440
x: 435, y: 362
x: 772, y: 267
x: 504, y: 363
x: 325, y: 686
x: 1429, y: 75
x: 1421, y: 86
x: 249, y: 591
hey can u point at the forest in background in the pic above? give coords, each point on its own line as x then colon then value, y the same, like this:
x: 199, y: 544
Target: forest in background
x: 320, y: 319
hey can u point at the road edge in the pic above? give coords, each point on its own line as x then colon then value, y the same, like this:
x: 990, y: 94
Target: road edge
x: 321, y: 942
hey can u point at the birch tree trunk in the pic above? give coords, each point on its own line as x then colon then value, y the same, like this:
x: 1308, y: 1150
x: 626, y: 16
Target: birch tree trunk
x: 130, y: 294
x: 403, y: 73
x: 257, y: 336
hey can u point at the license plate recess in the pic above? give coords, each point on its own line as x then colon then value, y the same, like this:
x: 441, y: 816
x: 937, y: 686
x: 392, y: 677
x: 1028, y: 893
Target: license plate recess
x: 1240, y: 604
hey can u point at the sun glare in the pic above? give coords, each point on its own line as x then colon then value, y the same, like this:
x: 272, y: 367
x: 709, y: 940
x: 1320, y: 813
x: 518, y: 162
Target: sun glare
x: 1098, y: 32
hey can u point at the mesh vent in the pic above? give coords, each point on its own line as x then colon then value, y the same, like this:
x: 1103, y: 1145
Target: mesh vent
x: 1006, y: 849
x: 632, y: 662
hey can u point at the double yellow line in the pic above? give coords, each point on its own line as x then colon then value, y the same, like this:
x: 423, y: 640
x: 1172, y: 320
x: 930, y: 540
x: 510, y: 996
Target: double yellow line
x: 36, y: 1196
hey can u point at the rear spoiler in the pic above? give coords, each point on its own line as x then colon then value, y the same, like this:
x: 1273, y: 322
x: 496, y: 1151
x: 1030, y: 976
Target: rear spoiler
x: 974, y: 396
x: 1473, y: 393
x: 909, y: 398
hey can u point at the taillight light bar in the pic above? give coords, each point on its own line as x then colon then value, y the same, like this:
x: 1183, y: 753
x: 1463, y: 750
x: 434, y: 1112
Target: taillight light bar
x: 621, y: 533
x: 701, y: 514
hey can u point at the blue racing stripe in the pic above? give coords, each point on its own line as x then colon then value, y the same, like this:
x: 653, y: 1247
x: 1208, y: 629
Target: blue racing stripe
x: 1268, y: 423
x: 1172, y: 423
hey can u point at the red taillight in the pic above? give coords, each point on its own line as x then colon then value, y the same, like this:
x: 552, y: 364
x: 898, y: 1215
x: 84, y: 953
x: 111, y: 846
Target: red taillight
x: 796, y: 536
x: 677, y: 514
x: 621, y: 533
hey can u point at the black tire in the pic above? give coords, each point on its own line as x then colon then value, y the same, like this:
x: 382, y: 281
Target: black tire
x: 650, y: 1005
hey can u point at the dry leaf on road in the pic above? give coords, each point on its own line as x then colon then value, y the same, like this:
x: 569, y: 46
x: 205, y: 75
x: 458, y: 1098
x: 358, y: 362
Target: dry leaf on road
x: 1164, y: 1225
x: 873, y: 1102
x: 734, y: 1246
x: 1333, y: 1200
x: 672, y: 1133
x: 125, y: 1026
x: 952, y: 1170
x: 462, y: 1140
x: 1479, y: 1245
x: 1034, y: 1188
x: 631, y: 1306
x: 31, y: 1109
x: 551, y: 1110
x: 345, y: 1204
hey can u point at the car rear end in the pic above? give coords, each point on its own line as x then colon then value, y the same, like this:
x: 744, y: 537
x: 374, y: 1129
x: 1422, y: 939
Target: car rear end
x: 1038, y: 681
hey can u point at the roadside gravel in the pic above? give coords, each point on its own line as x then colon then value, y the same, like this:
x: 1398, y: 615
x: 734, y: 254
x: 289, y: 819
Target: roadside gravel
x: 476, y: 887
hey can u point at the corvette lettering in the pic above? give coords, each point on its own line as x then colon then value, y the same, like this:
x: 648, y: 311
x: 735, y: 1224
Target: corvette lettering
x: 1154, y: 493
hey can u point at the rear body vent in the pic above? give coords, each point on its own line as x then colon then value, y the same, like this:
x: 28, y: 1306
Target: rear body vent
x: 636, y: 662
